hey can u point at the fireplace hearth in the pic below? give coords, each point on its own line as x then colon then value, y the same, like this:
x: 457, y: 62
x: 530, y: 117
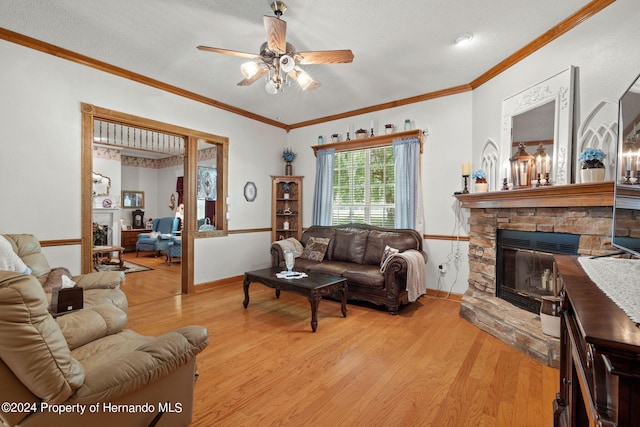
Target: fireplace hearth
x: 524, y: 265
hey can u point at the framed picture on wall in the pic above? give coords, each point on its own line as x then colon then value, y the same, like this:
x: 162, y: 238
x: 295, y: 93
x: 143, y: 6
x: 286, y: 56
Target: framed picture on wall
x: 132, y: 199
x: 207, y: 183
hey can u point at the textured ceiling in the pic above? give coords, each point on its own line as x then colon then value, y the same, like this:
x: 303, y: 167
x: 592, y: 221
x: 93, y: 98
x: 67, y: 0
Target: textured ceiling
x: 402, y: 48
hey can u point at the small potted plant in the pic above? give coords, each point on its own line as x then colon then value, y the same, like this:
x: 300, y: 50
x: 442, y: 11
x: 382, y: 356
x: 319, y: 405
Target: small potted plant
x: 593, y: 169
x: 288, y: 155
x: 480, y: 179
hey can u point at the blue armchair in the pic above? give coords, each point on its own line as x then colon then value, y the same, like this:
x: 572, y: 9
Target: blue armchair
x: 163, y: 231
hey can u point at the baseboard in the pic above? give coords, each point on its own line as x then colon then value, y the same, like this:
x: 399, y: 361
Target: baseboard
x: 221, y: 282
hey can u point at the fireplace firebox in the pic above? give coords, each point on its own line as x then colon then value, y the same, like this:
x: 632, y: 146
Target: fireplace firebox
x: 524, y: 265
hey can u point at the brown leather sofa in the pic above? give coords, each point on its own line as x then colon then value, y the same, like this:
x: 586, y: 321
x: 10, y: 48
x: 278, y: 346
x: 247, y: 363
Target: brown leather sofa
x: 98, y: 287
x: 355, y: 253
x: 85, y: 369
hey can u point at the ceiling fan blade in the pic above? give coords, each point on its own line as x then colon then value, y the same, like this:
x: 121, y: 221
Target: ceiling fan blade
x: 246, y: 82
x: 305, y: 81
x: 325, y: 57
x: 230, y: 52
x: 276, y: 34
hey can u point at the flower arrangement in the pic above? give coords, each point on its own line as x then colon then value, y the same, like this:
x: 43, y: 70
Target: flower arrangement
x: 591, y: 158
x: 99, y: 234
x: 288, y: 155
x: 479, y: 176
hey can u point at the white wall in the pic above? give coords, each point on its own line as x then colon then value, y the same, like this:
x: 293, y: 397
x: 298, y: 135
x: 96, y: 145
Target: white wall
x: 40, y: 162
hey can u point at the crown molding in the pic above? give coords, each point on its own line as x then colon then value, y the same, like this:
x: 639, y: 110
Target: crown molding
x: 572, y: 21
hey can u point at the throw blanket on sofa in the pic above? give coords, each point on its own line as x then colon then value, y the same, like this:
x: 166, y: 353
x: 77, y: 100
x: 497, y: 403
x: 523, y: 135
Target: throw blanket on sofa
x: 291, y: 244
x: 415, y: 273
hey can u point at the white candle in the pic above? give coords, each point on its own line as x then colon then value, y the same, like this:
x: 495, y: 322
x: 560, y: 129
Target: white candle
x: 539, y: 165
x: 547, y: 167
x: 466, y: 168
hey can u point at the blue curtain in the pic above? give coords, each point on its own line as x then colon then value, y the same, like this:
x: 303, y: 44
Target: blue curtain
x: 408, y: 197
x: 323, y: 196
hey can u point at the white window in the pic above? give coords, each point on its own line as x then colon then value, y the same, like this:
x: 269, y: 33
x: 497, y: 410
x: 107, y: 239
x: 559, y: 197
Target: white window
x: 364, y: 187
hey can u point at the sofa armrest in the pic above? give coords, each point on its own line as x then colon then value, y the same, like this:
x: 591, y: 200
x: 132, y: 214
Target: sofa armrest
x: 154, y: 358
x: 100, y: 280
x: 87, y: 325
x: 277, y: 255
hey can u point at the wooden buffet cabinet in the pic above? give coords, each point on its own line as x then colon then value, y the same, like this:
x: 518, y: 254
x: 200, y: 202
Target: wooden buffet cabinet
x: 599, y: 356
x: 286, y: 207
x: 129, y: 238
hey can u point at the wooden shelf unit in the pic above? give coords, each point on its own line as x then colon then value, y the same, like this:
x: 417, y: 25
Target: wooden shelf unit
x: 281, y: 204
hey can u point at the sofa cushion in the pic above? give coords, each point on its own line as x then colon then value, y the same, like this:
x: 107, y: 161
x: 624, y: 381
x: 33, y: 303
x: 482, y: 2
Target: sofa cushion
x: 350, y: 245
x: 54, y: 279
x: 31, y: 342
x: 304, y: 265
x: 323, y: 232
x: 364, y: 275
x: 334, y: 268
x: 388, y: 253
x: 9, y: 260
x: 378, y: 240
x: 316, y: 249
x: 28, y: 248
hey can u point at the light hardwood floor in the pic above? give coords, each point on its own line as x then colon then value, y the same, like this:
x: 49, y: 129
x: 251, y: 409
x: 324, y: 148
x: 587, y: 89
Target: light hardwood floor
x: 264, y: 366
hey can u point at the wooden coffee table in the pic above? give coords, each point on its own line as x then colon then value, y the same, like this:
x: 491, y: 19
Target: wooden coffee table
x: 102, y: 255
x: 314, y: 287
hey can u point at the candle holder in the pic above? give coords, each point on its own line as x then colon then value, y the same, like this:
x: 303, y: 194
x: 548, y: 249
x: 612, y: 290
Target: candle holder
x: 371, y: 133
x: 637, y: 178
x: 348, y: 138
x: 505, y: 184
x: 539, y: 183
x: 547, y: 181
x: 465, y: 190
x: 627, y: 178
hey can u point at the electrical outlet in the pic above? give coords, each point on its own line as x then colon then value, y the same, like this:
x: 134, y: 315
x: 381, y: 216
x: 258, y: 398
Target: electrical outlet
x: 442, y: 268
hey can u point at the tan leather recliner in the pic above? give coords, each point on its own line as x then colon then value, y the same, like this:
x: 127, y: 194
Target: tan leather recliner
x: 98, y: 288
x: 85, y: 369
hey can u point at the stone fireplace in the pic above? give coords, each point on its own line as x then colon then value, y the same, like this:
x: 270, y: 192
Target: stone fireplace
x: 578, y: 209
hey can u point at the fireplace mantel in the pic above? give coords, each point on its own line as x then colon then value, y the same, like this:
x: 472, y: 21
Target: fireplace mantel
x: 588, y: 194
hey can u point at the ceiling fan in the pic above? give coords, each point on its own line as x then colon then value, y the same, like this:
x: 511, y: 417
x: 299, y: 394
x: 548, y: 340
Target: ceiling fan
x: 279, y: 59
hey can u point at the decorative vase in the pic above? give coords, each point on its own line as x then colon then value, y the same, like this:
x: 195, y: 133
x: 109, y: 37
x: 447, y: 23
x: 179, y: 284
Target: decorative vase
x: 550, y: 311
x: 481, y: 187
x: 592, y: 174
x: 288, y: 169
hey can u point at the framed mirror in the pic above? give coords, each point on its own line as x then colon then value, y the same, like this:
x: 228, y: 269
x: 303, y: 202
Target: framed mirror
x: 101, y: 185
x: 626, y: 205
x: 132, y: 199
x: 210, y: 207
x: 541, y: 114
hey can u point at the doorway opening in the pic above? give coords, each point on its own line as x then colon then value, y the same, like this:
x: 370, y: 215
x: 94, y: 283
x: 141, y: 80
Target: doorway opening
x: 169, y: 143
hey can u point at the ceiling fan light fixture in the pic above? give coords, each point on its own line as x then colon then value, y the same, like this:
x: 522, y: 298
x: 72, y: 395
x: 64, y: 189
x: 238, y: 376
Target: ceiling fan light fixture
x: 287, y: 63
x: 304, y: 79
x: 249, y: 69
x: 271, y: 87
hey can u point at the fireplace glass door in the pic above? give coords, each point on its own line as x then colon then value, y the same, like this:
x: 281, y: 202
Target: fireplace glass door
x: 524, y: 265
